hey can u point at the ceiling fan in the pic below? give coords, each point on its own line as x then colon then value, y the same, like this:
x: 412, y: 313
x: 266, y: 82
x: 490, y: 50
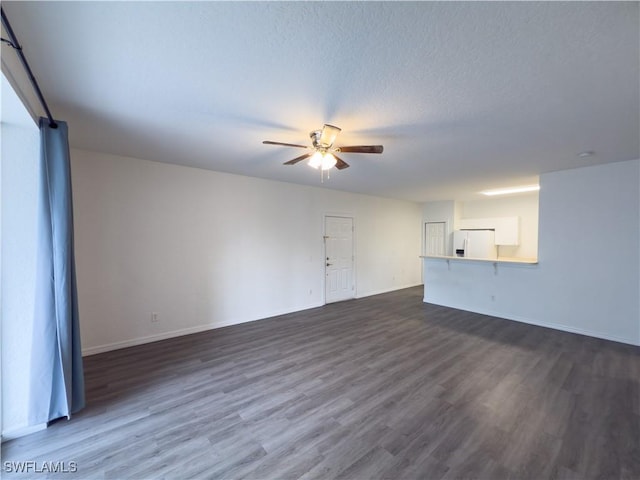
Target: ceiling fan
x: 322, y: 153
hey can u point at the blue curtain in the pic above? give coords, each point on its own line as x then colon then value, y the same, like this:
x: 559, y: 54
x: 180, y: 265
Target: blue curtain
x: 57, y: 379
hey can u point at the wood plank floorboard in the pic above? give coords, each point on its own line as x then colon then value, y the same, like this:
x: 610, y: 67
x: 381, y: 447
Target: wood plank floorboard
x: 382, y: 387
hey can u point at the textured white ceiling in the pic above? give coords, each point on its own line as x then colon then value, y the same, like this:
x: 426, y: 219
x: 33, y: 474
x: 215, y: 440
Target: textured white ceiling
x: 463, y: 96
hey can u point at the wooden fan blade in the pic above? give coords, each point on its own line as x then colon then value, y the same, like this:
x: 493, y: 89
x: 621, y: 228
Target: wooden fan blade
x: 298, y: 159
x: 340, y: 164
x: 362, y: 149
x: 268, y: 142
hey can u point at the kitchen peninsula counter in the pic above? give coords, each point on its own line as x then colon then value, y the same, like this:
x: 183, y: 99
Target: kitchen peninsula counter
x: 488, y: 286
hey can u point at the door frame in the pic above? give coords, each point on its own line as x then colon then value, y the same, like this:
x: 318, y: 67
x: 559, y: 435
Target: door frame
x: 324, y: 252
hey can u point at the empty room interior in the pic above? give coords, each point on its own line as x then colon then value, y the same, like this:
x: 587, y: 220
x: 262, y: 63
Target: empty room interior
x: 317, y: 240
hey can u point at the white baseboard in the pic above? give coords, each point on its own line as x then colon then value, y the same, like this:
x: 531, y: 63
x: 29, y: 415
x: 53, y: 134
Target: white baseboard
x: 538, y: 323
x: 185, y: 331
x: 22, y: 431
x: 107, y: 347
x: 386, y: 290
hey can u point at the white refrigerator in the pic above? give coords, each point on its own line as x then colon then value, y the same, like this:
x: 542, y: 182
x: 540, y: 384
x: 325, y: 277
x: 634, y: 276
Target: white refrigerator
x: 475, y: 244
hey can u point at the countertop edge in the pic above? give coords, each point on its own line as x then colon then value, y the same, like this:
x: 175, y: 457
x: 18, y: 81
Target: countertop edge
x: 523, y: 261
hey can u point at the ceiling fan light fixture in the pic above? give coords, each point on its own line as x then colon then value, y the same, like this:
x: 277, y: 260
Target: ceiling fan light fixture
x: 320, y: 154
x: 322, y: 160
x: 328, y: 161
x: 316, y: 160
x: 328, y: 135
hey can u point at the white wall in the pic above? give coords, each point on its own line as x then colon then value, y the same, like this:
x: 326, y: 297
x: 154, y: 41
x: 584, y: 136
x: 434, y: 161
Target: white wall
x: 207, y: 249
x: 19, y: 175
x: 588, y: 277
x: 590, y: 247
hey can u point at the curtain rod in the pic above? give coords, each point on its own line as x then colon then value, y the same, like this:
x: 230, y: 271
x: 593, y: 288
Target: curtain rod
x: 13, y: 42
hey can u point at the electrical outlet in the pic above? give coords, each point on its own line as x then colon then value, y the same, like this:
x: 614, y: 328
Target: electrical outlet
x: 154, y: 317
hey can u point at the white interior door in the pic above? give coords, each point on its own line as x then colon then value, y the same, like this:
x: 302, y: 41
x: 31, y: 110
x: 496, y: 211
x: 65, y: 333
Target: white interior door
x: 339, y: 259
x: 435, y: 238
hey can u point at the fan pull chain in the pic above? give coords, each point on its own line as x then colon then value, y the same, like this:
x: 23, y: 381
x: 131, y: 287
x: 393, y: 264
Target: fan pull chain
x: 322, y: 175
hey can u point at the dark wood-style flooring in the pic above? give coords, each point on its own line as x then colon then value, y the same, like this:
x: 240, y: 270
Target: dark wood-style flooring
x: 379, y: 387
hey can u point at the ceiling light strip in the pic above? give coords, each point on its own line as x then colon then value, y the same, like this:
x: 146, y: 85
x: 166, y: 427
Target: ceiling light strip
x: 509, y: 190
